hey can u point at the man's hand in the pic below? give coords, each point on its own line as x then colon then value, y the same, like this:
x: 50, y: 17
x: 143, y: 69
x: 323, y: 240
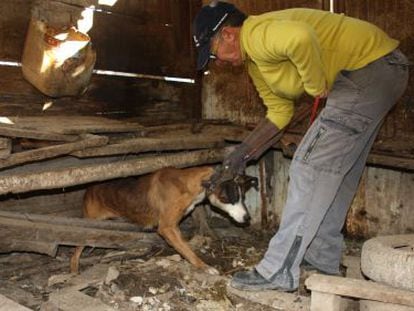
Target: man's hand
x: 235, y: 162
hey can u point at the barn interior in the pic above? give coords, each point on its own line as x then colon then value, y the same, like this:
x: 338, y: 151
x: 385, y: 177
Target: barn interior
x: 97, y: 90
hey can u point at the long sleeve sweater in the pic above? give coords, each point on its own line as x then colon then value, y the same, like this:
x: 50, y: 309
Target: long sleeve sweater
x: 293, y: 51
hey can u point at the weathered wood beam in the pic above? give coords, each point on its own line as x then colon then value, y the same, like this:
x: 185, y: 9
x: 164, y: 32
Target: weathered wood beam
x: 86, y: 141
x: 137, y: 145
x: 391, y: 161
x: 71, y: 176
x: 359, y: 289
x: 12, y: 131
x: 24, y: 235
x: 73, y: 222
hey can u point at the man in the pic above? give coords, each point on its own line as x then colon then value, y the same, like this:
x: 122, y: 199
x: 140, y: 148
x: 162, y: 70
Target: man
x: 360, y: 71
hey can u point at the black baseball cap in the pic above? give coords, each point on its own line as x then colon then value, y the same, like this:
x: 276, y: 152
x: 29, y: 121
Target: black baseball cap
x: 205, y: 26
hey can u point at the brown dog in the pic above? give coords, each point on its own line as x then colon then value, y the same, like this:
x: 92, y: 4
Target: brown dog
x: 161, y: 200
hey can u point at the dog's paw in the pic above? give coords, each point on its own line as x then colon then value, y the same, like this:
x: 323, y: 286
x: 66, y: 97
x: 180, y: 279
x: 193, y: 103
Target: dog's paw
x: 211, y: 270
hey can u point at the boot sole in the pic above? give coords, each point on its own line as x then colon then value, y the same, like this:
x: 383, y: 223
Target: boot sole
x: 256, y: 288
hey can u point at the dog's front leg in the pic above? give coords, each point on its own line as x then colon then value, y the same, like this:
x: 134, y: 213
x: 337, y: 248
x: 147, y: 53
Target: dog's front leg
x: 173, y: 236
x: 74, y: 261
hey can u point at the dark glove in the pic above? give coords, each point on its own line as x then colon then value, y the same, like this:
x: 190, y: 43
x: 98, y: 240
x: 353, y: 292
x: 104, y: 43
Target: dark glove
x: 252, y: 146
x: 235, y: 162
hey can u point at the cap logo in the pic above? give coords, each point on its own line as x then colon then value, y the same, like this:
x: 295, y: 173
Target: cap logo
x: 220, y: 22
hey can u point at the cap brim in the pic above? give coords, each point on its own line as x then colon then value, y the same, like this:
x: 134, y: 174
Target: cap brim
x: 203, y: 56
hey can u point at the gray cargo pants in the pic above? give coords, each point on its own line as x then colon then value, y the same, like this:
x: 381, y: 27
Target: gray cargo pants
x: 327, y: 166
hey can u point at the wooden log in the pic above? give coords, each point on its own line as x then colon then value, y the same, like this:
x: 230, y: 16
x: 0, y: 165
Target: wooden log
x: 359, y: 289
x: 391, y: 161
x: 73, y: 222
x: 24, y: 235
x: 71, y: 176
x: 12, y: 131
x: 86, y: 141
x: 74, y: 125
x: 137, y: 145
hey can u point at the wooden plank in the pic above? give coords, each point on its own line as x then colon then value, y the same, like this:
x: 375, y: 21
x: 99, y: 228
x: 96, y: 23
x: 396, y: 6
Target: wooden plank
x: 391, y: 161
x: 71, y: 176
x: 73, y: 222
x: 25, y: 235
x: 7, y: 304
x: 12, y: 131
x: 359, y: 289
x: 137, y: 145
x: 73, y: 125
x: 369, y: 305
x: 86, y: 141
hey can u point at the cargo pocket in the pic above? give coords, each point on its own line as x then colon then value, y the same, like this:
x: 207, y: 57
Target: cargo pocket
x: 331, y: 143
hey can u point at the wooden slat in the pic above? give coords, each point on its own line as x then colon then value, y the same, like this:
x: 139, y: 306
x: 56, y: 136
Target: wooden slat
x: 137, y: 145
x: 65, y: 177
x: 24, y: 235
x: 73, y: 222
x: 13, y: 131
x: 53, y: 151
x: 359, y: 289
x: 69, y: 124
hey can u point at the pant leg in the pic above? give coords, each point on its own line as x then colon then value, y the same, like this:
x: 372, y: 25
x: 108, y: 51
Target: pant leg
x: 325, y: 250
x: 358, y: 102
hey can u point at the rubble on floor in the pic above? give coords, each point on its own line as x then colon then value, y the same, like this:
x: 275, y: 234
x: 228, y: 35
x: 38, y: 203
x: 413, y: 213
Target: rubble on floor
x: 145, y: 278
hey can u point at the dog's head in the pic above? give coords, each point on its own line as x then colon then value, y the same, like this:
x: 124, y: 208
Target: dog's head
x: 228, y: 196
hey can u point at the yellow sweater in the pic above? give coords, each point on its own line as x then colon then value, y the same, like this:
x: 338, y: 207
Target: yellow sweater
x: 293, y: 51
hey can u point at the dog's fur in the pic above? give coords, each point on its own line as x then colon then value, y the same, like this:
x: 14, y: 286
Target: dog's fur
x: 161, y: 199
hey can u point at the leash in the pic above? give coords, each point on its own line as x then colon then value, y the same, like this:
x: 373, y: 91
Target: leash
x: 314, y: 111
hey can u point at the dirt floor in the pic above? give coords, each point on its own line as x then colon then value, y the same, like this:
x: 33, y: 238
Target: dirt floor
x: 145, y: 278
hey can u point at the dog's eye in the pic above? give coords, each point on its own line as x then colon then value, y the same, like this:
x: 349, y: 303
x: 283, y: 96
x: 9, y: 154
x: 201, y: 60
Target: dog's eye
x: 229, y: 193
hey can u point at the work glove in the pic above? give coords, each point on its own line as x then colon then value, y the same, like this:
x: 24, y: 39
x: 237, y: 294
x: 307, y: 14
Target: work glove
x: 235, y: 162
x: 252, y: 147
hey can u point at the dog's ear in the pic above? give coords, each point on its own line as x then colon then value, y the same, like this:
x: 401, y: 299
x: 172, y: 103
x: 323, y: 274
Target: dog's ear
x: 246, y: 182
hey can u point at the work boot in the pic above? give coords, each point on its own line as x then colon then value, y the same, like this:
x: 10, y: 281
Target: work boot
x: 253, y: 281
